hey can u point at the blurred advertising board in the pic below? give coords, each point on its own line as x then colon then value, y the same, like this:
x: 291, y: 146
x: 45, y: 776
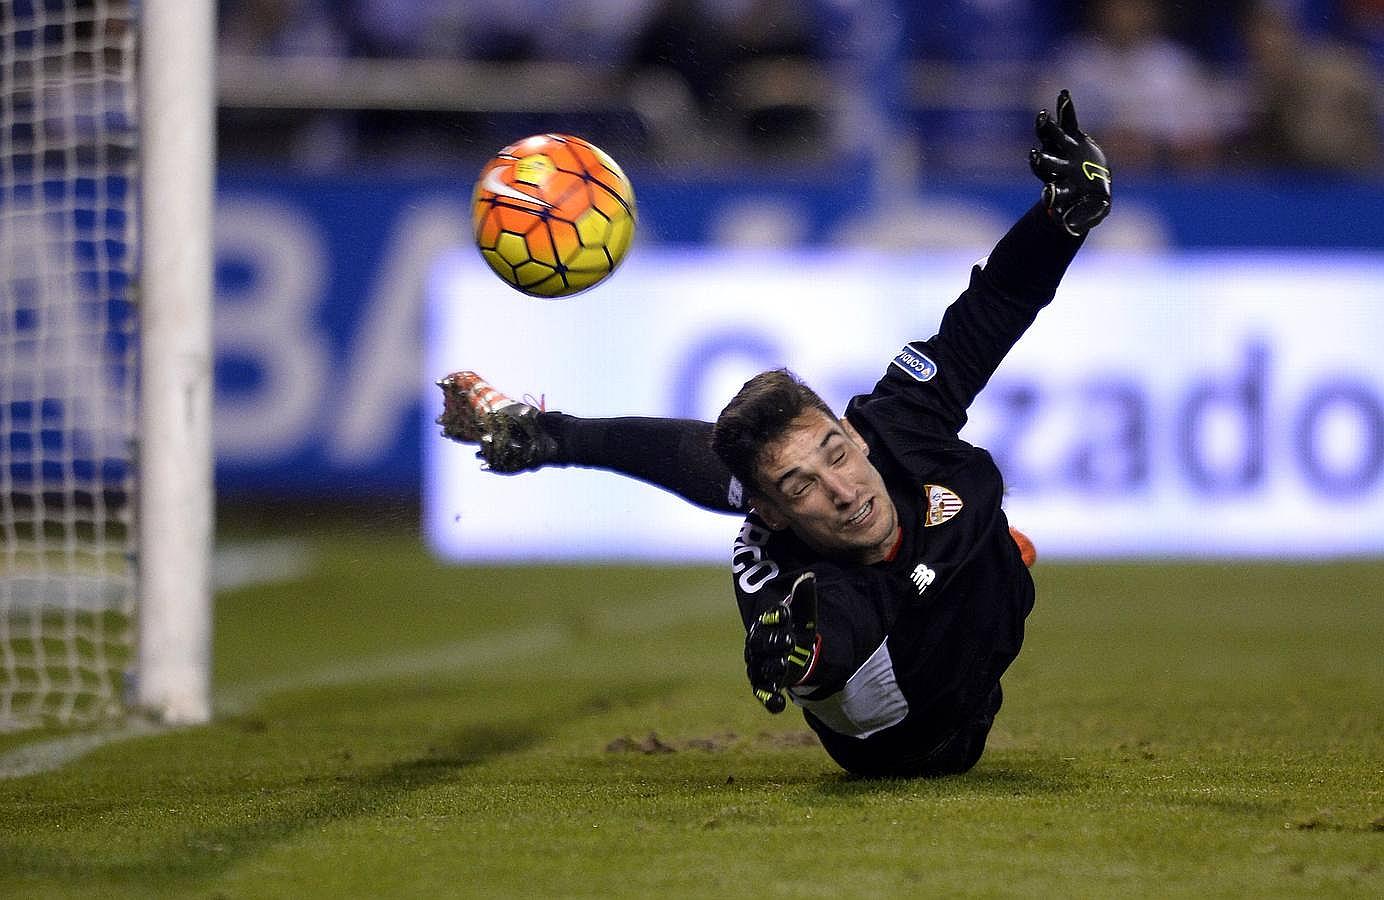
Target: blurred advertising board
x: 1195, y: 404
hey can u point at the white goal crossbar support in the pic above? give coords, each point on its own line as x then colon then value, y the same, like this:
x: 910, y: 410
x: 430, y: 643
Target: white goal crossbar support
x: 175, y: 512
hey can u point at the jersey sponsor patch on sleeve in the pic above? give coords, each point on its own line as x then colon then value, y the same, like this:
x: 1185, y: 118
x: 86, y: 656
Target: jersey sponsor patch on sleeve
x: 916, y: 363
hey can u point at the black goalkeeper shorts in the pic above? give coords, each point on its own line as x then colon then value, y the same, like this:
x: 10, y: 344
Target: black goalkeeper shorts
x: 901, y: 752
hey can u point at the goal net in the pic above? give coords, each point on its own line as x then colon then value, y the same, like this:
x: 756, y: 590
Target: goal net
x: 70, y: 372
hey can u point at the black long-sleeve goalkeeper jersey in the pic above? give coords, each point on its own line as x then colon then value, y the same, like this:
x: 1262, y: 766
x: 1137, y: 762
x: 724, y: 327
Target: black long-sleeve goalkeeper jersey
x: 913, y: 647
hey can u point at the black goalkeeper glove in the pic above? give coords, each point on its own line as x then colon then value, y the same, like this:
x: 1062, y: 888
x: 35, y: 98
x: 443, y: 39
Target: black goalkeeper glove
x: 782, y: 644
x: 1076, y: 179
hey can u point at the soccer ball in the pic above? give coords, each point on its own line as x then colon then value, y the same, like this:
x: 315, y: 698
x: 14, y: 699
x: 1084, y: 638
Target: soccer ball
x: 554, y: 215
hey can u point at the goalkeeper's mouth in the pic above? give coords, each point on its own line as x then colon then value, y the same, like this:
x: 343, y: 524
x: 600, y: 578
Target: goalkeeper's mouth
x: 862, y: 515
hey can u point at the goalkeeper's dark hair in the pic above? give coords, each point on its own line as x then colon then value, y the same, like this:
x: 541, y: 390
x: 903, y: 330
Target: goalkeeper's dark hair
x: 758, y: 415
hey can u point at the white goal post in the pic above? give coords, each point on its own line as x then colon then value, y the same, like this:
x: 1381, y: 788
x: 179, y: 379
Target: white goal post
x: 106, y: 193
x: 178, y: 101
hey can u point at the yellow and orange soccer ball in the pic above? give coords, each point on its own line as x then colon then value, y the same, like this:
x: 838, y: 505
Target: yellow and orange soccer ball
x: 553, y: 215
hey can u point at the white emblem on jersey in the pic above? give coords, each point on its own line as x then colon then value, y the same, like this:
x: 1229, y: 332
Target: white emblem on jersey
x: 942, y: 504
x: 735, y: 492
x: 922, y: 577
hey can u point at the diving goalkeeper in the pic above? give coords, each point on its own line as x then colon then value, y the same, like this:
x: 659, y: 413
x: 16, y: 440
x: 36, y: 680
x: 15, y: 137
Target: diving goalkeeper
x: 881, y: 587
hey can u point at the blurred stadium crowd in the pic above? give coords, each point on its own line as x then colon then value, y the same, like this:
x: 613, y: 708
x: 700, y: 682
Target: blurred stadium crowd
x: 1187, y: 87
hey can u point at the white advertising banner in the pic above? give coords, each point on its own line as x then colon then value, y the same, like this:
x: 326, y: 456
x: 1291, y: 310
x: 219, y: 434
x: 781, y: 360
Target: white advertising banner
x: 1190, y: 405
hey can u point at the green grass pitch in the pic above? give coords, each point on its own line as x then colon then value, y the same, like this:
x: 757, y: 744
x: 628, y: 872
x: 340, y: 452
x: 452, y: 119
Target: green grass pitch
x: 391, y: 727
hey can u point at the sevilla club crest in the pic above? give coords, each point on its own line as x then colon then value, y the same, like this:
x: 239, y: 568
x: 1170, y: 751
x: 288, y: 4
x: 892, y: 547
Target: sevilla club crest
x: 942, y: 504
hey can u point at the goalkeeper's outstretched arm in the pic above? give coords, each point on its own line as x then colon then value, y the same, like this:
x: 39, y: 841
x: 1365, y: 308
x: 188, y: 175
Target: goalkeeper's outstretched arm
x: 513, y: 436
x: 1019, y: 277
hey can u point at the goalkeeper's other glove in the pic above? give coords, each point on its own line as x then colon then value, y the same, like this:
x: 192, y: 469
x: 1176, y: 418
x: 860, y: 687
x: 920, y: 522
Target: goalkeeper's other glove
x: 1076, y: 179
x: 782, y: 644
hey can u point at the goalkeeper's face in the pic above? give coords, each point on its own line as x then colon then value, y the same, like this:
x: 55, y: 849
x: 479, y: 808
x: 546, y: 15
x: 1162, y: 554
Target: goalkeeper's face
x: 817, y: 479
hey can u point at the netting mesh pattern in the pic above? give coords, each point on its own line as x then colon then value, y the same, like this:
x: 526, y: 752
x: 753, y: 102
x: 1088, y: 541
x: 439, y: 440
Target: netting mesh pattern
x: 68, y: 143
